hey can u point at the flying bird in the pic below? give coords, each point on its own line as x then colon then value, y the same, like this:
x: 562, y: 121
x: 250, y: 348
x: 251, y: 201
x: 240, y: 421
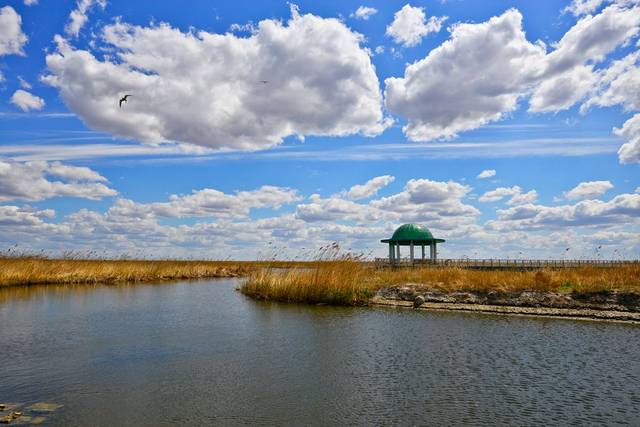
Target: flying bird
x: 124, y: 99
x: 264, y: 81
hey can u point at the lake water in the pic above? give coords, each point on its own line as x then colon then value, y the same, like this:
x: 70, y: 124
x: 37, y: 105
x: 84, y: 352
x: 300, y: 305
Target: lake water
x: 200, y: 353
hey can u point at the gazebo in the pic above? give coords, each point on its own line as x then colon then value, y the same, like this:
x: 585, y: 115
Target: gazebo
x: 412, y: 235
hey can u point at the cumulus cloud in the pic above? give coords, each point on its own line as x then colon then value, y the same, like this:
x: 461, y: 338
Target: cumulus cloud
x: 12, y: 39
x: 584, y: 7
x: 211, y: 202
x: 499, y: 193
x: 15, y: 217
x: 622, y: 209
x: 487, y: 173
x: 523, y: 198
x: 30, y: 2
x: 410, y: 25
x: 629, y: 151
x: 370, y: 188
x: 619, y: 84
x: 563, y: 90
x: 225, y: 227
x: 588, y: 190
x: 79, y: 16
x: 593, y: 37
x: 335, y: 209
x: 205, y: 89
x: 34, y: 181
x: 27, y: 101
x: 439, y: 203
x: 364, y: 12
x: 568, y: 74
x: 445, y: 93
x: 517, y: 197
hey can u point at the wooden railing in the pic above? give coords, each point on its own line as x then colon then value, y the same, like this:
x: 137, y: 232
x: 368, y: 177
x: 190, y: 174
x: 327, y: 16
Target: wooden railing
x: 502, y: 263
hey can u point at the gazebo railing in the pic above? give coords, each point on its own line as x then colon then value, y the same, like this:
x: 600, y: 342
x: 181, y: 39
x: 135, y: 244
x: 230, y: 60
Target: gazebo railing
x: 489, y: 263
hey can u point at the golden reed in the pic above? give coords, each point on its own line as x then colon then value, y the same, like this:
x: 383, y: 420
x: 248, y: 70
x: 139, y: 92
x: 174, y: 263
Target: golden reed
x: 36, y: 270
x: 354, y: 283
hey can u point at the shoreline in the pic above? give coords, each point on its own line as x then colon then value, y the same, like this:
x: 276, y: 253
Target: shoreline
x: 27, y: 271
x: 513, y: 310
x: 609, y: 306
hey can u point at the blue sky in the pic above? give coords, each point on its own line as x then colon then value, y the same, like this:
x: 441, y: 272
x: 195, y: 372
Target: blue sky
x: 509, y: 128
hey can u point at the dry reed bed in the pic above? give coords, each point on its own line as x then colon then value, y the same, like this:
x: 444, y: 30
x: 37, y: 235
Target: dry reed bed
x: 354, y: 283
x: 34, y: 270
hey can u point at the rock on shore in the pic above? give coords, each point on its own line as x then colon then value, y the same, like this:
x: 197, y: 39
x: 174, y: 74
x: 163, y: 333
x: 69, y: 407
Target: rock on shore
x: 596, y: 301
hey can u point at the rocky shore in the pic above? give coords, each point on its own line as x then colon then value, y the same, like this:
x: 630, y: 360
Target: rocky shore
x: 601, y: 305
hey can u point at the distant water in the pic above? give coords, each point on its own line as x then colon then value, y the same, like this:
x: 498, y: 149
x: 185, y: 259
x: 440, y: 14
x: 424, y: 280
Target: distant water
x: 200, y: 353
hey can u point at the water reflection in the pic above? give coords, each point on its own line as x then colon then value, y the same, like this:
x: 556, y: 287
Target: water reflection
x: 201, y: 353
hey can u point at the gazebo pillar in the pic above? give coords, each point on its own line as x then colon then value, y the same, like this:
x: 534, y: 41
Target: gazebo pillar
x: 390, y: 253
x: 411, y: 251
x: 433, y: 252
x: 398, y: 252
x: 422, y: 245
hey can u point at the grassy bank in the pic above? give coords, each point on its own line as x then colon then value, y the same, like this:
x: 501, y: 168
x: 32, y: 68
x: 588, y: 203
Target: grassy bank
x: 354, y: 283
x: 35, y: 270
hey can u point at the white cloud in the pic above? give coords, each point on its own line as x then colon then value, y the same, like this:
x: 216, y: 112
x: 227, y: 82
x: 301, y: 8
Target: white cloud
x: 512, y: 69
x: 499, y: 193
x: 630, y: 151
x: 207, y: 202
x: 584, y: 7
x: 23, y: 83
x: 370, y: 188
x: 12, y: 39
x: 335, y: 209
x: 444, y: 93
x: 568, y: 75
x: 30, y: 2
x: 593, y: 37
x: 438, y: 203
x: 487, y: 173
x: 33, y: 181
x: 523, y: 198
x: 622, y: 209
x: 27, y: 101
x: 225, y: 228
x: 588, y: 190
x: 410, y: 25
x: 517, y: 197
x: 206, y: 89
x: 422, y: 200
x: 563, y: 90
x: 364, y: 12
x: 619, y: 84
x: 78, y: 16
x: 14, y: 217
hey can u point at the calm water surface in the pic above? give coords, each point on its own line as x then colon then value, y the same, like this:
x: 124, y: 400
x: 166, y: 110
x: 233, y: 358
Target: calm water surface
x: 200, y: 353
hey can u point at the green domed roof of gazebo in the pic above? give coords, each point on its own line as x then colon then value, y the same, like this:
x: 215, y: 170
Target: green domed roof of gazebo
x: 407, y: 233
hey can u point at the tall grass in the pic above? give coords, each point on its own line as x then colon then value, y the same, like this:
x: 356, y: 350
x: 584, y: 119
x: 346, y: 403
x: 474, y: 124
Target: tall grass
x: 350, y: 282
x: 332, y: 282
x: 28, y: 270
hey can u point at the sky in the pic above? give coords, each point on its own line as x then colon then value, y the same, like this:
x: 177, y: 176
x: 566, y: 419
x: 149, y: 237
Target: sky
x: 269, y: 129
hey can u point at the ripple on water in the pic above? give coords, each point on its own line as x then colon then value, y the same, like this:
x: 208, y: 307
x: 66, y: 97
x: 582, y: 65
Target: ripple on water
x: 200, y: 353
